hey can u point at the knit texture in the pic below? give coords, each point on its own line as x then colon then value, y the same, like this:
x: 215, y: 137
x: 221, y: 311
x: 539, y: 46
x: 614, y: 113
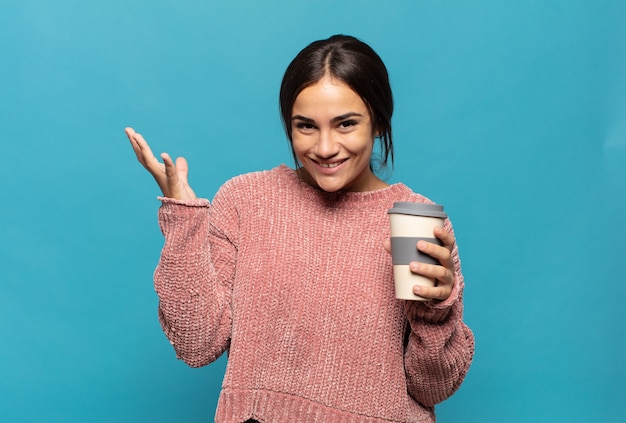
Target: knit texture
x: 294, y: 283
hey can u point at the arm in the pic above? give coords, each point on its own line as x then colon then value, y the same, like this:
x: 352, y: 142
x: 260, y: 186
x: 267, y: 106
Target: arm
x: 440, y: 347
x: 194, y: 298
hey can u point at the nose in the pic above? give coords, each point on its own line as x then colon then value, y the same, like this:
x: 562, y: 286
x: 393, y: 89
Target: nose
x: 326, y: 146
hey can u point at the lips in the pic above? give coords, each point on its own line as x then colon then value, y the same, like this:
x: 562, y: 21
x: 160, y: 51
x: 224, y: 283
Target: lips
x: 330, y: 165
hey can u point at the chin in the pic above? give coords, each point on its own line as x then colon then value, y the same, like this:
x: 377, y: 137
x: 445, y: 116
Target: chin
x: 331, y: 187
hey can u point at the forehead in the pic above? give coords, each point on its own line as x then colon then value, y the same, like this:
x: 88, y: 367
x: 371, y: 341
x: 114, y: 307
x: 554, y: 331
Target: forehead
x: 328, y: 96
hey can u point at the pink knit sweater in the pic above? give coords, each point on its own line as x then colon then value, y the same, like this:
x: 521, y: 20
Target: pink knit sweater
x: 295, y: 284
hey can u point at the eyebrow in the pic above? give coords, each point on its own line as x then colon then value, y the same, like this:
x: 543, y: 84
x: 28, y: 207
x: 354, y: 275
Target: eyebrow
x: 335, y: 119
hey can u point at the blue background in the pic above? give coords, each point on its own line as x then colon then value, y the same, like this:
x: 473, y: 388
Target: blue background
x: 511, y: 114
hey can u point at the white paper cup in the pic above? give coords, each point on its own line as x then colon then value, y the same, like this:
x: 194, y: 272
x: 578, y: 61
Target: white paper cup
x: 410, y: 223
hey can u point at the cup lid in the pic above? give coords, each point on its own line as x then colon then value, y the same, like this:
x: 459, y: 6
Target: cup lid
x: 418, y: 209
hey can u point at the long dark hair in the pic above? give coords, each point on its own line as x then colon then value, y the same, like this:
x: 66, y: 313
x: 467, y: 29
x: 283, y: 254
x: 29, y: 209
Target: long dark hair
x: 352, y: 62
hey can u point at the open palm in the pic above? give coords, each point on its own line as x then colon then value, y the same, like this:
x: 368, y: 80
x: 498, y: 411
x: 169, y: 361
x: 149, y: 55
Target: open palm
x: 171, y: 177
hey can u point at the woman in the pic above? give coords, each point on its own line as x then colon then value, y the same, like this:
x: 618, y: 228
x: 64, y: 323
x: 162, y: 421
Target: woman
x: 289, y: 272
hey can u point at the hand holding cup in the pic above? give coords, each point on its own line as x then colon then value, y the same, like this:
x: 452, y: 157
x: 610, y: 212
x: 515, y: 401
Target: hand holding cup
x: 421, y: 252
x: 442, y: 273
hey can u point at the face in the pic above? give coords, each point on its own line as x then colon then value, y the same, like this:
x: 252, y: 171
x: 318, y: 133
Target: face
x: 333, y: 137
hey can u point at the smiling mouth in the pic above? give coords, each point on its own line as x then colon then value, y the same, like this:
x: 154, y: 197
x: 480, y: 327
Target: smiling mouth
x: 331, y: 165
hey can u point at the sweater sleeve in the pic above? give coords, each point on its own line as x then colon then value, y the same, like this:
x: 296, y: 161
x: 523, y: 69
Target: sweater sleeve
x: 440, y: 346
x: 193, y: 281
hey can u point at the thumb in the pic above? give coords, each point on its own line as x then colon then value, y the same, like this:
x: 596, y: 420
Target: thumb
x: 387, y: 245
x: 182, y: 168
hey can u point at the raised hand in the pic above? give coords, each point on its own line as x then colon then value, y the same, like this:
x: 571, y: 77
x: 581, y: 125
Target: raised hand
x: 171, y: 177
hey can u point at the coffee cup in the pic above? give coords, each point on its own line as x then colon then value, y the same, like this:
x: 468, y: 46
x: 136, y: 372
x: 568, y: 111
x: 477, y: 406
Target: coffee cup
x: 410, y: 223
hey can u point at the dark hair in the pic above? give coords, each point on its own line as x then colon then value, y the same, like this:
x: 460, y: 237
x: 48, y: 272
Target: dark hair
x: 352, y: 62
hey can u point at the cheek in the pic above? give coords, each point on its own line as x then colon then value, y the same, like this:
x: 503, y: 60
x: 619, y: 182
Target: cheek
x: 297, y: 144
x: 300, y: 146
x: 363, y: 145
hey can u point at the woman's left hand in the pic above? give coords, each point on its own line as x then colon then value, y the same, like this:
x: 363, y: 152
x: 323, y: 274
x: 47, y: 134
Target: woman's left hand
x: 442, y: 273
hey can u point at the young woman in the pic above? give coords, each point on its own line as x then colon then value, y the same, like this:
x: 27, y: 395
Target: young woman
x: 288, y: 271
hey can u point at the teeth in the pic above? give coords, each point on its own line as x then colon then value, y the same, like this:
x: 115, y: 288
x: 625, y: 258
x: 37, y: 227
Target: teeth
x: 329, y: 165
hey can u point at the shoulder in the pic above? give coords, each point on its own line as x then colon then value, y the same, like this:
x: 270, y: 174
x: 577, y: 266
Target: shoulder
x: 404, y: 193
x: 258, y: 180
x: 258, y: 184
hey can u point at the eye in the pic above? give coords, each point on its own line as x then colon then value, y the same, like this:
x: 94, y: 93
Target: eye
x: 304, y: 126
x: 348, y: 123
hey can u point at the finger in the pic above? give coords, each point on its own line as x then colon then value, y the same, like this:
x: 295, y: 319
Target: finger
x: 441, y: 292
x: 182, y: 168
x: 172, y: 181
x: 387, y: 245
x: 143, y: 151
x: 443, y: 277
x: 170, y: 167
x: 130, y: 133
x: 440, y: 253
x: 147, y: 158
x: 446, y: 237
x: 432, y: 271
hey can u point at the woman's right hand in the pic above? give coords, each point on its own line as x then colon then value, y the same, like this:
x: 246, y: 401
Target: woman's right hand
x: 171, y: 177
